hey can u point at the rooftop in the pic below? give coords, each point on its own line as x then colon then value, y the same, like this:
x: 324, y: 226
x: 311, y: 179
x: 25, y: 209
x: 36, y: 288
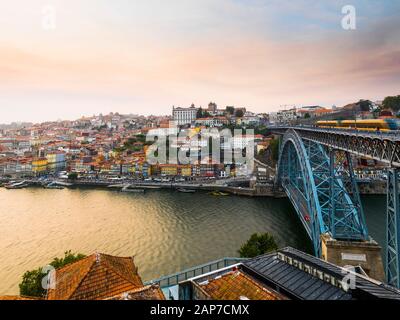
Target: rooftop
x: 302, y: 276
x: 144, y: 293
x: 15, y: 298
x: 235, y: 285
x: 98, y: 276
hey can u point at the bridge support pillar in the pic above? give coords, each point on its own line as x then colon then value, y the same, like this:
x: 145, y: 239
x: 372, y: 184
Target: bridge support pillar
x: 366, y: 254
x: 393, y: 229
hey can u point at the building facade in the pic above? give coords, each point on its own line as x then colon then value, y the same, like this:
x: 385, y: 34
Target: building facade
x: 184, y: 116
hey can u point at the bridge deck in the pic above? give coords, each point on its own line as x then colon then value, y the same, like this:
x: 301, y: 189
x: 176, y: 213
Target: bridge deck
x: 380, y: 146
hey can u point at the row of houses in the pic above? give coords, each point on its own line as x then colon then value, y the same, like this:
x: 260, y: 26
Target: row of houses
x: 146, y: 170
x: 33, y: 166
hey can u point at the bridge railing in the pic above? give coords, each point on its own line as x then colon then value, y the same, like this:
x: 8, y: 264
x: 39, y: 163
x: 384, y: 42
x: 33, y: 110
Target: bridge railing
x: 176, y: 278
x: 391, y: 133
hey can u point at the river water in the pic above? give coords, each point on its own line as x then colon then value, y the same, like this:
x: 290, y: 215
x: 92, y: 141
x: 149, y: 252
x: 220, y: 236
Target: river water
x: 166, y: 231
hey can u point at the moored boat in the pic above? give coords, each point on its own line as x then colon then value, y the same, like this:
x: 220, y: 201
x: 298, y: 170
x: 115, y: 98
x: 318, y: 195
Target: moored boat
x: 133, y: 190
x: 219, y: 194
x: 186, y: 190
x: 16, y: 185
x: 54, y: 185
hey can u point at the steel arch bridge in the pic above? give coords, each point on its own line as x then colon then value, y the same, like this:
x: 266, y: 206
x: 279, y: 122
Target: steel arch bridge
x: 321, y: 186
x: 316, y: 172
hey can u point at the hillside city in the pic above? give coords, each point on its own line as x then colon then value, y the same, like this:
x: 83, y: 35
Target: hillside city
x: 114, y: 145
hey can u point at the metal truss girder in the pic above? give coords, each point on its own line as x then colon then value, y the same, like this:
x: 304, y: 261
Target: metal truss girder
x: 393, y: 229
x: 383, y: 147
x: 347, y: 216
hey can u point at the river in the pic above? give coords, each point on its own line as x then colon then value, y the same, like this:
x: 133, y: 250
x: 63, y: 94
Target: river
x: 166, y: 231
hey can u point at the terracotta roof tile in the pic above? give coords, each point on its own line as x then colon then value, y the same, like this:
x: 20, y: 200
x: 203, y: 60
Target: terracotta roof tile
x: 236, y: 285
x: 12, y: 298
x: 151, y: 292
x: 98, y: 276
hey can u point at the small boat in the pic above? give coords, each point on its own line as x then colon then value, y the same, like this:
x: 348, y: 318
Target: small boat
x: 151, y: 187
x: 133, y: 190
x: 116, y: 186
x: 63, y: 184
x: 186, y: 190
x: 219, y: 194
x: 53, y: 185
x: 18, y: 185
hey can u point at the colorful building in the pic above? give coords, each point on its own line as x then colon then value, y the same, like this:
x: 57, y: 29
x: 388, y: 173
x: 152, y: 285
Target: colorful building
x: 39, y: 166
x: 169, y: 169
x: 56, y: 161
x: 185, y: 170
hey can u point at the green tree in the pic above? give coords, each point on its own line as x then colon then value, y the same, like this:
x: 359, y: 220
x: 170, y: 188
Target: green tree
x: 307, y: 116
x: 239, y: 113
x: 72, y: 176
x: 68, y: 258
x: 202, y: 113
x: 199, y: 113
x: 392, y: 103
x: 31, y: 284
x: 274, y: 146
x: 230, y: 110
x: 365, y: 105
x: 258, y: 245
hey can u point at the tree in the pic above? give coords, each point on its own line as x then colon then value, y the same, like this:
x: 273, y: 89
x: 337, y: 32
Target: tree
x: 31, y: 284
x: 68, y: 258
x: 73, y: 176
x: 230, y: 110
x: 258, y: 245
x: 365, y: 105
x: 274, y: 146
x: 202, y: 113
x: 392, y: 103
x: 239, y: 113
x: 307, y: 116
x: 199, y: 113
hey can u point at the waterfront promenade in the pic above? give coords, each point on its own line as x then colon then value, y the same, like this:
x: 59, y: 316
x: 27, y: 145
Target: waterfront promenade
x: 239, y: 186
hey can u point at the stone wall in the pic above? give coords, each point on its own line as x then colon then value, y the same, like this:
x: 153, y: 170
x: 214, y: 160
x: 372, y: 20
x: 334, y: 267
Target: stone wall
x: 366, y: 254
x: 374, y: 187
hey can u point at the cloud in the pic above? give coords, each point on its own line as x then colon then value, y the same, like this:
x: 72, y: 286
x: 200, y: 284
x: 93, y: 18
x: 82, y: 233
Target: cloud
x: 135, y: 56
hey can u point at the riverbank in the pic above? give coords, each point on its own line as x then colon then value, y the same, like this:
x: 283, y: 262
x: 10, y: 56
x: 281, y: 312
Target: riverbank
x: 373, y: 187
x: 257, y: 191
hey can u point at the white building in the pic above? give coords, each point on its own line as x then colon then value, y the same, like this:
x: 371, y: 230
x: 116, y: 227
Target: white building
x: 285, y: 116
x: 183, y: 116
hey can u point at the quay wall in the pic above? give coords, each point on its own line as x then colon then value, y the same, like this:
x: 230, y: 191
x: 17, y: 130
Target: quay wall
x: 376, y: 187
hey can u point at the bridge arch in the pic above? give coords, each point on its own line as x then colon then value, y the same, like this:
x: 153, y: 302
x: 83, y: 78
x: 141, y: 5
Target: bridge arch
x: 296, y: 177
x: 318, y: 191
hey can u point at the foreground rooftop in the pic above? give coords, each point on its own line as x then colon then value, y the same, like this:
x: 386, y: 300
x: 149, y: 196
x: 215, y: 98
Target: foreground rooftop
x: 285, y: 274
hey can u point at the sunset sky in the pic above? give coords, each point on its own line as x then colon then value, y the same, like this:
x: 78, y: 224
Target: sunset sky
x: 132, y: 56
